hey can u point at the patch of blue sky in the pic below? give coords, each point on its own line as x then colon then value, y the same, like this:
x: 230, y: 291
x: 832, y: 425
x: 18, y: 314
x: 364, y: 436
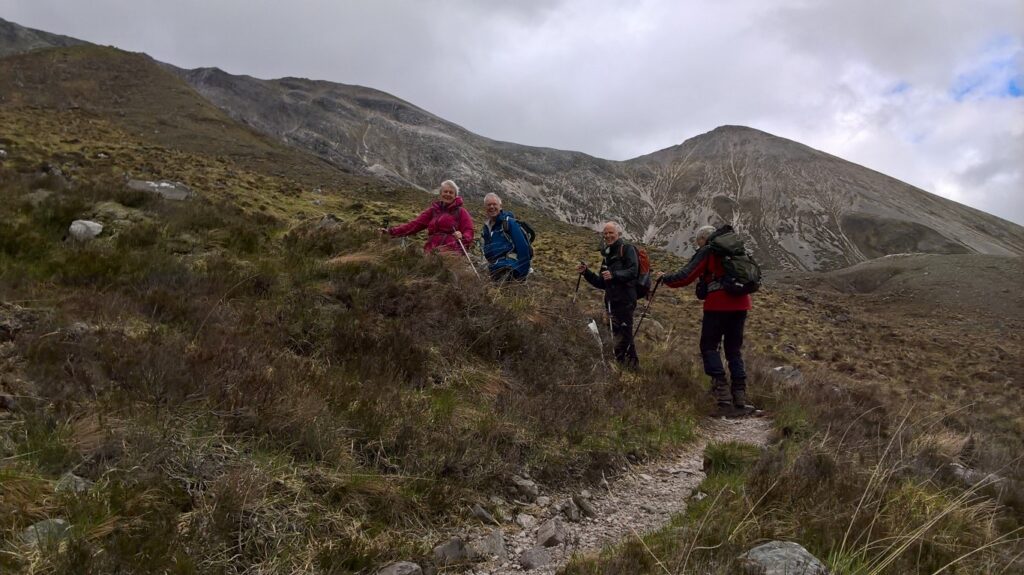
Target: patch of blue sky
x: 996, y: 73
x: 898, y: 88
x: 1015, y: 87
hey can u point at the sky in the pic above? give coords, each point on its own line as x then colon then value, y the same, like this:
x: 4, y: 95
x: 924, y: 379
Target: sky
x: 930, y: 92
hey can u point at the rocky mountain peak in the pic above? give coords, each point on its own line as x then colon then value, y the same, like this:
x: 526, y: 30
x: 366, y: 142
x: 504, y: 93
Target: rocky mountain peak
x: 16, y: 39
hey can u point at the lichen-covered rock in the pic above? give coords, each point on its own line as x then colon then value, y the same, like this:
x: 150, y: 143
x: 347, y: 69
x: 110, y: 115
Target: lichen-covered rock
x: 781, y: 558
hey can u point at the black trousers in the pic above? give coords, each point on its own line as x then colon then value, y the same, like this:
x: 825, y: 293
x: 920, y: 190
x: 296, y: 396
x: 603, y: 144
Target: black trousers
x: 622, y: 329
x: 727, y: 326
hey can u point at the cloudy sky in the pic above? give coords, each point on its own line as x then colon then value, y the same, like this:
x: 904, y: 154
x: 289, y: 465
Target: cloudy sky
x: 931, y: 92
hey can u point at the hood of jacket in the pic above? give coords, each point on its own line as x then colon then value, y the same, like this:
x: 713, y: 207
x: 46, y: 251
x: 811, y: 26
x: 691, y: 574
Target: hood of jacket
x: 442, y: 207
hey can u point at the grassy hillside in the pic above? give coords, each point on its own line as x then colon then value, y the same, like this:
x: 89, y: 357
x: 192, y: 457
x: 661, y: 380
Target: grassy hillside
x: 253, y: 386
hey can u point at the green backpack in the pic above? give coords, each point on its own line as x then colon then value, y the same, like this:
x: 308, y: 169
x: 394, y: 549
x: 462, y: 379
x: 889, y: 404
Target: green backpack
x: 742, y: 274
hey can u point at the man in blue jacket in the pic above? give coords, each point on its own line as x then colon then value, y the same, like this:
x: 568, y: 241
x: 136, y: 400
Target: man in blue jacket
x: 506, y: 248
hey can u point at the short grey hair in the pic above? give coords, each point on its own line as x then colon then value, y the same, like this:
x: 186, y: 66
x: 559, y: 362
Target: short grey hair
x: 618, y: 227
x: 449, y: 184
x: 493, y: 195
x: 704, y: 232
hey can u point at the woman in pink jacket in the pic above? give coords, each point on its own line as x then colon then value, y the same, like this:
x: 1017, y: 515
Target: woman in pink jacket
x: 446, y: 221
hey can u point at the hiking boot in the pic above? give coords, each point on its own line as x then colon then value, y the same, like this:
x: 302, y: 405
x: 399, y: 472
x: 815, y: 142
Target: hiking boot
x: 739, y: 399
x: 739, y: 393
x: 720, y: 391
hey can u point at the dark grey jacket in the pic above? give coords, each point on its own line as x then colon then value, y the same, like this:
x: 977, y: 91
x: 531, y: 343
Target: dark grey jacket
x: 621, y: 259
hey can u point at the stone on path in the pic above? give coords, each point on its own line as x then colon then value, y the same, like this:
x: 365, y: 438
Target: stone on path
x: 526, y: 521
x: 551, y: 533
x: 525, y: 487
x: 534, y: 558
x: 454, y: 551
x: 585, y: 506
x: 482, y: 514
x: 491, y: 546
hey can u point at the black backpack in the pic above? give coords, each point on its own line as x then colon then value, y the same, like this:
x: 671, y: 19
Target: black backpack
x: 527, y: 231
x: 742, y: 273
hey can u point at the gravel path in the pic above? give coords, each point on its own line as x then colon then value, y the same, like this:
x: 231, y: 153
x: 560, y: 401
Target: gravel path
x: 643, y: 499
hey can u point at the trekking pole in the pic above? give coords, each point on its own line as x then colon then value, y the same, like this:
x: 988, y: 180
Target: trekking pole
x: 578, y: 279
x: 610, y: 330
x: 468, y: 259
x: 650, y: 299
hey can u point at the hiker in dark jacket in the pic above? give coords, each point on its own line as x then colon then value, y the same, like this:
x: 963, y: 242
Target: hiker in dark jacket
x: 724, y: 318
x: 506, y: 248
x: 446, y: 221
x: 618, y: 277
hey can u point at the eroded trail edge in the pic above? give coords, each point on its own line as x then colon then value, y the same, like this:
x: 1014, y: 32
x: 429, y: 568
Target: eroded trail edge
x: 643, y: 499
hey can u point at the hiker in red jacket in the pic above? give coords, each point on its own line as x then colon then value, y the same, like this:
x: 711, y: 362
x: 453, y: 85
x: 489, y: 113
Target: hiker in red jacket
x: 446, y: 221
x: 724, y: 317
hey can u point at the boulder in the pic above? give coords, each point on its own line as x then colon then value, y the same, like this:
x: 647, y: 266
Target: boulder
x: 572, y: 511
x: 525, y: 520
x: 401, y: 568
x: 45, y: 532
x: 84, y: 230
x: 482, y: 514
x: 528, y: 489
x: 787, y: 375
x: 116, y: 213
x: 491, y: 546
x: 534, y: 558
x: 781, y: 558
x: 454, y: 551
x: 585, y: 505
x: 551, y: 533
x: 71, y: 483
x: 176, y: 191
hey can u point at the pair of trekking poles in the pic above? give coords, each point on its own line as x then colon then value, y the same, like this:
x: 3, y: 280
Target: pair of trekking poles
x: 643, y: 314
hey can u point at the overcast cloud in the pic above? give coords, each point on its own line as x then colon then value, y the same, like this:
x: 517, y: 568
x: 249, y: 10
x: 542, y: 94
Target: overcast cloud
x: 928, y: 92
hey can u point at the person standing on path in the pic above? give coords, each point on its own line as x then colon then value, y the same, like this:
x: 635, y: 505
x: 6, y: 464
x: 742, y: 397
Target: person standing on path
x: 446, y: 221
x: 724, y: 318
x: 619, y: 274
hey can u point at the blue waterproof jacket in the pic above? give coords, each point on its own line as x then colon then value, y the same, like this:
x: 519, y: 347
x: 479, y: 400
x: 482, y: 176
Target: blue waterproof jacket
x: 506, y: 250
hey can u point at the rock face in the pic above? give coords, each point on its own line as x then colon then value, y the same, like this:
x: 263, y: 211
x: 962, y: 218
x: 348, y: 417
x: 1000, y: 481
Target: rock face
x: 800, y: 208
x: 781, y: 558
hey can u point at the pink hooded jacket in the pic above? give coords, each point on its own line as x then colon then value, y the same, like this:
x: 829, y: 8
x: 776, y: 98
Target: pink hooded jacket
x: 441, y: 222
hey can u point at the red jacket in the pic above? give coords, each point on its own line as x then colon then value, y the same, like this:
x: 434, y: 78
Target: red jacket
x: 440, y: 221
x: 707, y: 266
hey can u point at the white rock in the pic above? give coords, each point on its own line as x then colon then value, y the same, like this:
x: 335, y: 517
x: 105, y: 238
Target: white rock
x: 84, y: 230
x: 526, y: 521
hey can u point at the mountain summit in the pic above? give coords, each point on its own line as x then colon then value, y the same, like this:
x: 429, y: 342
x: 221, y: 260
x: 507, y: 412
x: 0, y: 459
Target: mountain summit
x: 800, y: 207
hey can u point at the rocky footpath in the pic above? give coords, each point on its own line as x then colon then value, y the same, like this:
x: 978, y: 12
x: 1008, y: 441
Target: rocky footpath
x: 539, y: 532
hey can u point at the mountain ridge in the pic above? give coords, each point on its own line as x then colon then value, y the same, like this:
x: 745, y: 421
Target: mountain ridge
x: 800, y: 207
